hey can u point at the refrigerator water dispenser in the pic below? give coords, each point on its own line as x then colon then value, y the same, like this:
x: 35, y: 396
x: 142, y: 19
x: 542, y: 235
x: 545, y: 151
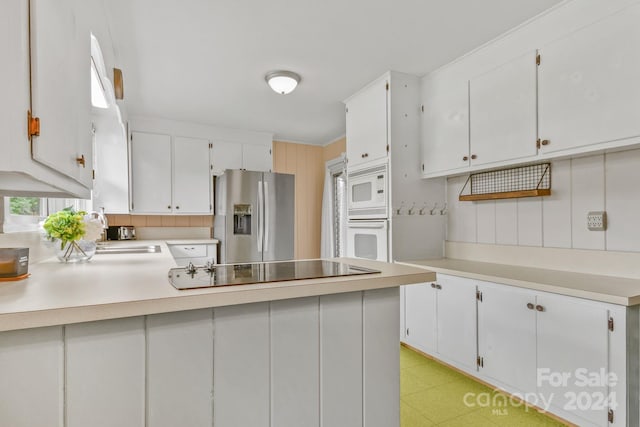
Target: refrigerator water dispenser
x: 242, y: 219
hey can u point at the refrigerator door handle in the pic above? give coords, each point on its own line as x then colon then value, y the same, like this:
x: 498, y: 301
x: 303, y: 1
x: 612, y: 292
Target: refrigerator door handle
x: 267, y: 223
x: 260, y: 214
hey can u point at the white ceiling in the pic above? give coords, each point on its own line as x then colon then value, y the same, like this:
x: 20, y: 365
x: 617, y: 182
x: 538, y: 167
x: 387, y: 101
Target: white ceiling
x: 204, y: 61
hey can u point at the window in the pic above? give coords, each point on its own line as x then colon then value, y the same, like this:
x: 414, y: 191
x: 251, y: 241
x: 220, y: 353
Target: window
x: 25, y: 213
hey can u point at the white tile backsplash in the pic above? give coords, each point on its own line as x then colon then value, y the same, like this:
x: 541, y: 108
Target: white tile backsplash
x: 608, y: 182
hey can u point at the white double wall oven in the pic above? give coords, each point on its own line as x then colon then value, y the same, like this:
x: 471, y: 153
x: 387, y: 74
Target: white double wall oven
x: 368, y: 211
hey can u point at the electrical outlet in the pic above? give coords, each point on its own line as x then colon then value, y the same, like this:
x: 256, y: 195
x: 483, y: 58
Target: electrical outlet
x: 597, y: 221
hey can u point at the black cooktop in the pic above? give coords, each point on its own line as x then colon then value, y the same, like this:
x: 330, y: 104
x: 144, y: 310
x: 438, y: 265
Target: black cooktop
x: 193, y: 277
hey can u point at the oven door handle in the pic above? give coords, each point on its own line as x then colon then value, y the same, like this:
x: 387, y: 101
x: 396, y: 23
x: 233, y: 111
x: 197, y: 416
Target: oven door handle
x: 370, y: 226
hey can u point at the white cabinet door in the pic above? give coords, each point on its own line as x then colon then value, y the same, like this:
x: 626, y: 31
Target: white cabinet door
x: 507, y: 335
x: 457, y: 324
x: 421, y: 317
x: 572, y: 342
x: 367, y: 124
x: 256, y: 158
x: 241, y: 371
x: 32, y: 363
x: 150, y: 173
x: 60, y: 88
x: 191, y: 176
x: 295, y: 373
x: 589, y: 91
x: 341, y: 359
x: 445, y: 131
x: 111, y: 184
x: 381, y: 358
x: 180, y: 393
x: 503, y: 112
x: 105, y: 373
x: 226, y: 155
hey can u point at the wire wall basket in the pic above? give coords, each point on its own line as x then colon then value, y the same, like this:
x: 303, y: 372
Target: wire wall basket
x: 522, y: 181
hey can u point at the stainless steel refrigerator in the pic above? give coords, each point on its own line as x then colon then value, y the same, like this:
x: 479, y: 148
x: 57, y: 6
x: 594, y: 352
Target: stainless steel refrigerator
x: 254, y: 216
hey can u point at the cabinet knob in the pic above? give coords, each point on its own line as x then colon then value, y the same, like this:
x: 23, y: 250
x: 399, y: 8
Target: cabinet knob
x: 465, y: 158
x: 169, y: 207
x: 539, y: 307
x: 438, y: 286
x: 177, y: 207
x: 433, y: 285
x: 473, y: 157
x: 530, y: 306
x: 80, y: 161
x: 545, y: 142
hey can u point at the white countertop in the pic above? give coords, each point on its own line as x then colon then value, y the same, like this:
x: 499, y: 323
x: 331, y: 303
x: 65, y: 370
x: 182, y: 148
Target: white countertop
x: 122, y: 285
x: 610, y: 289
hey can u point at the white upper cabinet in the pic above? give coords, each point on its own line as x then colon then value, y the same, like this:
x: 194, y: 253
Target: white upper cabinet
x: 150, y: 173
x: 445, y: 130
x: 226, y: 155
x: 59, y: 86
x: 191, y: 175
x: 61, y: 97
x: 235, y: 155
x: 367, y: 123
x: 170, y: 176
x: 111, y: 183
x: 503, y: 112
x: 256, y: 158
x: 589, y: 90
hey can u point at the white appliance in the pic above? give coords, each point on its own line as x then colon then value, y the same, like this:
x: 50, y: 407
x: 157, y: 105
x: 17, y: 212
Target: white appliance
x: 368, y: 239
x: 368, y: 192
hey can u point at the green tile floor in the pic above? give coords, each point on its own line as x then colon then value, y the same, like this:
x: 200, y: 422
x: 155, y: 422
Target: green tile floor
x: 432, y: 394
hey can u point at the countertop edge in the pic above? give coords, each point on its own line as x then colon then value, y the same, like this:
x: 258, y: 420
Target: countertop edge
x: 183, y: 302
x: 538, y: 286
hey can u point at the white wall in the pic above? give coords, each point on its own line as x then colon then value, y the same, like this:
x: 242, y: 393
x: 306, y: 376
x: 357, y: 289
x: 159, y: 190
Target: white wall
x: 609, y: 182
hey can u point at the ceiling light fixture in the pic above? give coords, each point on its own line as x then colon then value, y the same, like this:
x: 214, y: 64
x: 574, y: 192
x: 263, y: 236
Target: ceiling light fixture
x: 282, y: 82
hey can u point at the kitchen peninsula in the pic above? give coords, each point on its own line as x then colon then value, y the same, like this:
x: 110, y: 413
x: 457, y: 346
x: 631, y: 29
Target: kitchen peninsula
x: 111, y: 342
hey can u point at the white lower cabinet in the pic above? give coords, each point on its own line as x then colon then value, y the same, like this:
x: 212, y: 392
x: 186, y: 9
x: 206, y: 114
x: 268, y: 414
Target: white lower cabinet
x: 573, y: 341
x: 180, y: 393
x: 441, y: 319
x: 575, y: 358
x: 457, y: 320
x: 507, y: 335
x: 105, y: 373
x: 32, y: 372
x: 323, y: 361
x: 420, y: 317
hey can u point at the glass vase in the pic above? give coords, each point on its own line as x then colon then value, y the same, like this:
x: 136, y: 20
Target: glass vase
x: 75, y: 251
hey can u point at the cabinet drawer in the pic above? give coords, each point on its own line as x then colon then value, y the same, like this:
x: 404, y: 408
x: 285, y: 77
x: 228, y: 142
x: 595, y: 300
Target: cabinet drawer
x: 188, y: 251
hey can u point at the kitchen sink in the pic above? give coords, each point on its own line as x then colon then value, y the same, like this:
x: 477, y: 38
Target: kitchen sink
x: 146, y: 249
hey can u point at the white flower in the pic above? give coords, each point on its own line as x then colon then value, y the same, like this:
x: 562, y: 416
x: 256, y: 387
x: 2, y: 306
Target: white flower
x: 92, y: 229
